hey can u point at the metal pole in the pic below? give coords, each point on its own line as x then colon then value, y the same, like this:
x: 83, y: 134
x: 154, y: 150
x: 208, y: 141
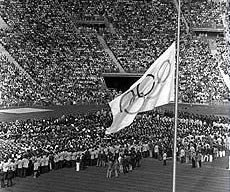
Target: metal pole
x: 176, y: 99
x: 228, y: 152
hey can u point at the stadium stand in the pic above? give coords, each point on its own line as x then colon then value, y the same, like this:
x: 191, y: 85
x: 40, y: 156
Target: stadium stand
x: 204, y: 14
x: 199, y: 69
x: 58, y: 58
x: 17, y: 89
x: 67, y: 59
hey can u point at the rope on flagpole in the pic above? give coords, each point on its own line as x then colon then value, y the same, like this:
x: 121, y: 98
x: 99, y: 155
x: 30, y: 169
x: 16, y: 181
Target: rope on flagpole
x: 176, y: 98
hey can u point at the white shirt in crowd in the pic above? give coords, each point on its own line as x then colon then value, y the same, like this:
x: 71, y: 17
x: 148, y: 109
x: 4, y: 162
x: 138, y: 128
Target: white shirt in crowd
x: 25, y: 163
x: 46, y: 160
x: 43, y: 161
x: 182, y: 153
x: 19, y: 163
x: 5, y: 167
x: 36, y: 165
x: 68, y: 156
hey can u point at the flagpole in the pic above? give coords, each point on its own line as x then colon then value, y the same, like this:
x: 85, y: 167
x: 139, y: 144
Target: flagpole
x: 176, y: 98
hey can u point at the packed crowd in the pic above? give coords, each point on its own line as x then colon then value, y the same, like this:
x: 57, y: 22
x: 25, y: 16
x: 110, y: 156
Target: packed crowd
x: 67, y: 60
x: 143, y: 32
x: 223, y: 54
x: 61, y: 58
x: 199, y: 69
x: 224, y: 45
x: 88, y: 9
x: 16, y: 88
x: 204, y: 13
x: 199, y: 13
x: 38, y: 146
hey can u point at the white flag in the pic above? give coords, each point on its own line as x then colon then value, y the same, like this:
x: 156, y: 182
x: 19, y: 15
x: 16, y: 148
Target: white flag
x: 153, y: 89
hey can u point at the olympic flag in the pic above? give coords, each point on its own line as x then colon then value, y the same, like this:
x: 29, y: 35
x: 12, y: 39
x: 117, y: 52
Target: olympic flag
x: 153, y: 89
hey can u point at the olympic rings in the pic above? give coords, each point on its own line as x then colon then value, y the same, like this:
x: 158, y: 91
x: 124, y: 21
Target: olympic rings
x: 150, y: 87
x: 131, y: 102
x: 145, y: 83
x: 166, y: 64
x: 161, y: 78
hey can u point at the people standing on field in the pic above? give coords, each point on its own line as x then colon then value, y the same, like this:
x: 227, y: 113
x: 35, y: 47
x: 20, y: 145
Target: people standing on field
x: 164, y: 158
x: 109, y: 168
x: 2, y: 177
x: 116, y: 168
x: 128, y: 146
x: 10, y: 174
x: 199, y: 158
x: 182, y: 155
x: 36, y: 168
x: 193, y: 157
x: 25, y: 166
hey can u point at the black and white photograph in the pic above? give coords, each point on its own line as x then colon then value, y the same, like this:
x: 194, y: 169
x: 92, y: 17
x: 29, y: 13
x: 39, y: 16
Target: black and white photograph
x: 115, y: 95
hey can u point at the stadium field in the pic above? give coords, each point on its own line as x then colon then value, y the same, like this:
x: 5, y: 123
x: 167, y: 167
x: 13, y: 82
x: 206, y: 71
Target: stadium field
x: 152, y: 176
x: 58, y: 111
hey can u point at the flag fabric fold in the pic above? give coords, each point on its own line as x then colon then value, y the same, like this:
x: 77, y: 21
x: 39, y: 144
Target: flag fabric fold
x: 153, y: 89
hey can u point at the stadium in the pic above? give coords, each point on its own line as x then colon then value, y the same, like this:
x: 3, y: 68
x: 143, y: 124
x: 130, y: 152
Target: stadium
x: 114, y: 95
